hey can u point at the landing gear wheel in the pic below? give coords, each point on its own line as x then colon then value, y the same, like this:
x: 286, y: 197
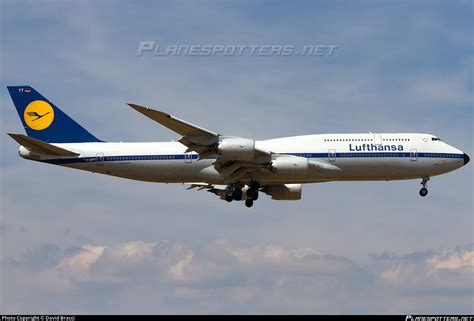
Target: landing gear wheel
x: 229, y: 198
x: 255, y: 186
x: 255, y: 195
x: 229, y: 189
x: 423, y: 192
x: 252, y: 194
x: 237, y: 195
x: 424, y: 183
x: 249, y: 202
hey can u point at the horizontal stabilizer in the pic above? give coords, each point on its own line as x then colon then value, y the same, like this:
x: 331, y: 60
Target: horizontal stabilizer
x: 38, y: 146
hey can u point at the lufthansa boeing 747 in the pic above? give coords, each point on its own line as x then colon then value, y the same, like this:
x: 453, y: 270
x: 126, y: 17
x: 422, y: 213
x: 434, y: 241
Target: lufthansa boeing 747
x: 234, y: 168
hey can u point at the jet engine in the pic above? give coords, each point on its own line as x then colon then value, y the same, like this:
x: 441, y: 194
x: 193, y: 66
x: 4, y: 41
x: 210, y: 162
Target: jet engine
x: 236, y: 148
x: 290, y: 166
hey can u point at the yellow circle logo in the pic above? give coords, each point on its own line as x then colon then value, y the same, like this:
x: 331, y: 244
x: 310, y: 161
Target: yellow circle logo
x: 38, y: 115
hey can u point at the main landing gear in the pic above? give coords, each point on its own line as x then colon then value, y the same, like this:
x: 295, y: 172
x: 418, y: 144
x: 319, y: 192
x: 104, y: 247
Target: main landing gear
x: 424, y: 190
x: 249, y: 202
x: 252, y: 194
x: 234, y: 192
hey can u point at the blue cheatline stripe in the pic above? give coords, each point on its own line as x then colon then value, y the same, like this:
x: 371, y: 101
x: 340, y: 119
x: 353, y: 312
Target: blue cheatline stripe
x: 129, y: 158
x: 378, y: 154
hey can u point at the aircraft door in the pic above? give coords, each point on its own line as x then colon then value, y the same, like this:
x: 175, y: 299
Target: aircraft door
x: 378, y: 139
x: 188, y: 158
x: 332, y: 155
x: 413, y: 155
x: 99, y: 159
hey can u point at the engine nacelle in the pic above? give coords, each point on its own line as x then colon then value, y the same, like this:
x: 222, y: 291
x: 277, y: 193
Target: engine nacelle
x: 290, y: 166
x: 284, y: 192
x: 236, y: 148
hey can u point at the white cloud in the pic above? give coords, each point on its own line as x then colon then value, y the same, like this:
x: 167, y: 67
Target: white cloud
x: 81, y: 261
x: 255, y: 278
x: 452, y: 260
x: 447, y: 271
x: 178, y: 271
x: 131, y: 251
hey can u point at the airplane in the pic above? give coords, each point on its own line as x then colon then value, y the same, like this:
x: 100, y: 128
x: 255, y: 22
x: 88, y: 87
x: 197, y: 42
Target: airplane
x: 233, y: 168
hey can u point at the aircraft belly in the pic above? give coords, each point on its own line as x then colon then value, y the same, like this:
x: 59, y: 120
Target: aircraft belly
x: 153, y: 171
x: 351, y: 169
x: 387, y: 168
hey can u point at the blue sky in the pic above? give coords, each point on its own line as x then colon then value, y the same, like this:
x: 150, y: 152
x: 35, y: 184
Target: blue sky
x: 76, y: 242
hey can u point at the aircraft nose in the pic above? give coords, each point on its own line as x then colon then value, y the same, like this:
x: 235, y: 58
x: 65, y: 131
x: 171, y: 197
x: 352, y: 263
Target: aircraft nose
x: 466, y: 159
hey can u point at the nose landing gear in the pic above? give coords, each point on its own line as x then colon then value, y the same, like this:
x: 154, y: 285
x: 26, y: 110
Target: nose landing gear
x: 424, y: 189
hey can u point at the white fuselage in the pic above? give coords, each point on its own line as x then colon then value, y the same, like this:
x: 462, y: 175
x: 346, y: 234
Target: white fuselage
x: 360, y: 157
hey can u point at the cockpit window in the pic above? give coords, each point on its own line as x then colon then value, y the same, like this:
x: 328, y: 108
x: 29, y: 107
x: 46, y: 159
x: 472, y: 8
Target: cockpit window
x: 435, y: 138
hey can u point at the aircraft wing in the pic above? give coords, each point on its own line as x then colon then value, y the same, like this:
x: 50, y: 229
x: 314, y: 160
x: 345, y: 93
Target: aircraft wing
x: 198, y: 139
x: 175, y: 124
x: 237, y: 158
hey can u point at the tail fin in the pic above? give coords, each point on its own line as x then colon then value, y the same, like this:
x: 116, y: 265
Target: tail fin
x: 44, y: 121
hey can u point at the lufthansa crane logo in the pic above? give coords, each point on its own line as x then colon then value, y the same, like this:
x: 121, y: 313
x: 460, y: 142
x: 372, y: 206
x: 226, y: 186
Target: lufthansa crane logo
x: 38, y: 115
